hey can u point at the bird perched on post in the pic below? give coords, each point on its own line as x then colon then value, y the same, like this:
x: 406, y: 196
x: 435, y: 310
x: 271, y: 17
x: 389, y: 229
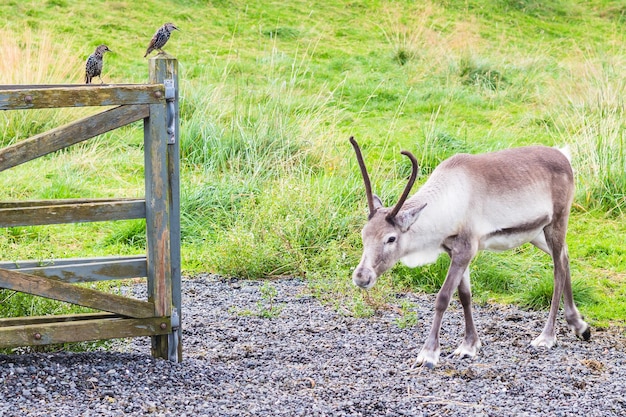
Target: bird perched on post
x: 160, y: 38
x: 93, y: 66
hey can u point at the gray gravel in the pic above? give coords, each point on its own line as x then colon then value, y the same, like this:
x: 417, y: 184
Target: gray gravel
x: 312, y: 361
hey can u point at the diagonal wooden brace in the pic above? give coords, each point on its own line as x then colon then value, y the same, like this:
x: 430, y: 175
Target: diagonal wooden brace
x: 86, y: 297
x: 70, y: 134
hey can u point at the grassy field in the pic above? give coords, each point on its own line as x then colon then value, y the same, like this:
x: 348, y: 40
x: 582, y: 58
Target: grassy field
x: 270, y: 93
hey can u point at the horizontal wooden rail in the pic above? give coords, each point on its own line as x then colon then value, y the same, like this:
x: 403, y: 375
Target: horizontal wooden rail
x: 93, y: 211
x: 69, y: 293
x: 9, y: 87
x: 63, y: 261
x: 39, y: 97
x: 61, y: 202
x: 78, y: 331
x: 83, y: 270
x: 12, y: 87
x: 70, y: 134
x: 56, y: 318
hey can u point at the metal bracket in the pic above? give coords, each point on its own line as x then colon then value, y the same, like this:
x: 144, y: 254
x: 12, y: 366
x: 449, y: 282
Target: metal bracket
x: 170, y: 98
x: 172, y: 338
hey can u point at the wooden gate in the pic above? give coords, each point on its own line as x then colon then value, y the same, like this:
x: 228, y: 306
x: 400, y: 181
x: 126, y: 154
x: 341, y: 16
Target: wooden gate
x: 159, y: 317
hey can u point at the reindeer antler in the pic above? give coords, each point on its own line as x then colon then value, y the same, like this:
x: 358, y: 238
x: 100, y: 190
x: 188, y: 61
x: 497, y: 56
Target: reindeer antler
x: 407, y: 189
x: 366, y: 178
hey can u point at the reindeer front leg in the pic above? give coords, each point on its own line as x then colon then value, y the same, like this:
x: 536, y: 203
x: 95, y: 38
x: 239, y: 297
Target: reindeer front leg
x: 429, y: 355
x: 471, y: 342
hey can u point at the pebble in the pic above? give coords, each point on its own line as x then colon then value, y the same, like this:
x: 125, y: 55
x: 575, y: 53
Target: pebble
x: 310, y: 360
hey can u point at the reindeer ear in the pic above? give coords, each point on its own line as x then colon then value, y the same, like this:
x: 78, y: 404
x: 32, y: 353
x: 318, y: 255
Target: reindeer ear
x: 405, y: 218
x: 377, y: 202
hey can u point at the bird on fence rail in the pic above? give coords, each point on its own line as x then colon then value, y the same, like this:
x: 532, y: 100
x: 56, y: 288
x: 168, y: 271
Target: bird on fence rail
x: 160, y: 38
x: 93, y: 66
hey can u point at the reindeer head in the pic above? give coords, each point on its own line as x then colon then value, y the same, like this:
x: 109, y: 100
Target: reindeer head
x: 384, y: 235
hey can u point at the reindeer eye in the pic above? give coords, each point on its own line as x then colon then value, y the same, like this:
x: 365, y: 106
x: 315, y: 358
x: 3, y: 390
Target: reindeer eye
x: 391, y: 239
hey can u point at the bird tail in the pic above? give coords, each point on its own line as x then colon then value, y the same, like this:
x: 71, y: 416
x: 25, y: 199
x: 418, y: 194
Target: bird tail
x: 87, y: 79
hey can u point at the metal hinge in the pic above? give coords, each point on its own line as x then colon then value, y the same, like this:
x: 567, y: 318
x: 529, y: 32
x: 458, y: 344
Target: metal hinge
x: 173, y: 339
x: 170, y: 98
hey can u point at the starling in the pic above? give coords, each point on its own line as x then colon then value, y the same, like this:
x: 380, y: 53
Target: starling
x: 93, y: 66
x: 160, y: 38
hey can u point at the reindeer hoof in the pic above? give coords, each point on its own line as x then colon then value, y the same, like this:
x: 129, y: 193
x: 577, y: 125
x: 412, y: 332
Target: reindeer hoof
x: 424, y: 364
x: 427, y: 358
x: 544, y: 341
x: 586, y: 335
x: 467, y: 350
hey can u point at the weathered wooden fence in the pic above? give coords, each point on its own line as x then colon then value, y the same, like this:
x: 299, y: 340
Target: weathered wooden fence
x: 160, y: 316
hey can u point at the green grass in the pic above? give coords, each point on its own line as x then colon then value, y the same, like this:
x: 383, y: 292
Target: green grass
x: 538, y: 295
x: 271, y: 91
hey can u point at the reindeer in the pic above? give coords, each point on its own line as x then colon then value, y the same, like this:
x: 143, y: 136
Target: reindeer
x: 494, y: 201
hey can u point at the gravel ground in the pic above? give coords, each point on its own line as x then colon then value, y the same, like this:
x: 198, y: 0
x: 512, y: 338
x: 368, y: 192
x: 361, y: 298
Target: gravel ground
x: 311, y: 361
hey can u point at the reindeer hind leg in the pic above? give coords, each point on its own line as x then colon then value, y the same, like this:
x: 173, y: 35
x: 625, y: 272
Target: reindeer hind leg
x: 552, y: 241
x: 572, y: 315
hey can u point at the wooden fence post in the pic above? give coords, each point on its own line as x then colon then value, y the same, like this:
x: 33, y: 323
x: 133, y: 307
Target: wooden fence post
x: 162, y: 198
x: 173, y: 159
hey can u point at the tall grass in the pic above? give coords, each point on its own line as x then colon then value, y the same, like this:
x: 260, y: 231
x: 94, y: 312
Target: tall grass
x: 538, y: 295
x: 34, y: 57
x: 266, y: 128
x: 591, y: 118
x: 261, y: 200
x: 408, y: 32
x: 37, y: 57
